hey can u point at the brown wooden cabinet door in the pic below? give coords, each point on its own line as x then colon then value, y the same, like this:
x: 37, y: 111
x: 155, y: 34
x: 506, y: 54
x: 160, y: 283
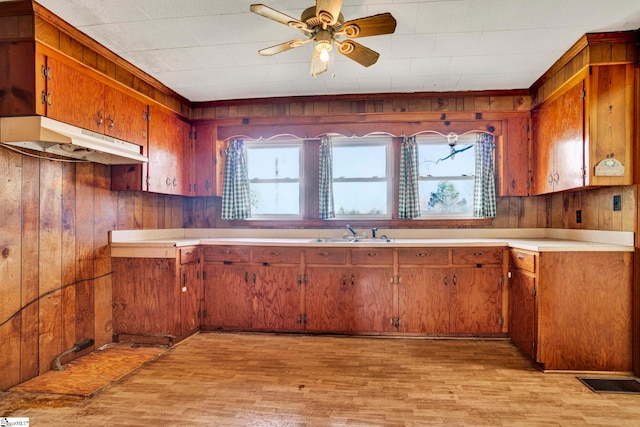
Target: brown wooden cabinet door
x: 371, y: 299
x: 476, y: 300
x: 276, y: 298
x: 228, y: 293
x: 522, y: 311
x: 208, y: 161
x: 146, y: 297
x: 75, y: 97
x: 328, y: 299
x: 190, y: 297
x: 170, y: 154
x: 423, y: 300
x: 558, y: 142
x: 125, y: 117
x: 513, y: 158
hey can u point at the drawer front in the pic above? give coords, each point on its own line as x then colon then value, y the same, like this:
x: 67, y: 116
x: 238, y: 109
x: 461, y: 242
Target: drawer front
x: 522, y: 260
x: 189, y: 255
x: 371, y: 256
x: 276, y: 255
x: 475, y: 256
x: 423, y: 256
x: 226, y: 254
x: 326, y: 256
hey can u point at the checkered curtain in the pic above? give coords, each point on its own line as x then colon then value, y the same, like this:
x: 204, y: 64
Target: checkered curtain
x: 326, y: 179
x: 408, y: 198
x: 235, y: 189
x: 484, y: 186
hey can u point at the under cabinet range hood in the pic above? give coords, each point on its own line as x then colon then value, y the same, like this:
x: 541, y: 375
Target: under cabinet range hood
x: 51, y: 136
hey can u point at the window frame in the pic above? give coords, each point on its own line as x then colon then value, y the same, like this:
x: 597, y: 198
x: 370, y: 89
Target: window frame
x: 281, y: 143
x: 425, y: 216
x: 370, y: 140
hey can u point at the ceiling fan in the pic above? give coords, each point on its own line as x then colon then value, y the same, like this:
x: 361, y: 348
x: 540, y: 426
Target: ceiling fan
x: 325, y: 25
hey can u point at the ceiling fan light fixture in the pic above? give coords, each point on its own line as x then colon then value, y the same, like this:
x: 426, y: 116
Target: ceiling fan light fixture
x: 324, y: 47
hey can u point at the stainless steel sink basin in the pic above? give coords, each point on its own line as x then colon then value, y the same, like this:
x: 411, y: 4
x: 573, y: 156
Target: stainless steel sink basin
x: 350, y: 240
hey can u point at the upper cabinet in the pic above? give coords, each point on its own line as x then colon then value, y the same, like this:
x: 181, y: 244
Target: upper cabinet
x: 73, y: 95
x: 171, y: 158
x: 208, y: 161
x: 583, y: 134
x: 514, y: 171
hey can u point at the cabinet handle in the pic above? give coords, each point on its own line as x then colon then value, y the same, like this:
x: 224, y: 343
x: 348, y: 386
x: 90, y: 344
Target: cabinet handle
x: 168, y: 182
x: 206, y: 185
x: 274, y: 253
x: 353, y: 280
x: 455, y: 280
x: 175, y: 182
x: 478, y: 253
x: 226, y: 252
x: 550, y: 179
x: 446, y: 280
x: 344, y: 280
x: 253, y: 279
x: 324, y: 253
x: 112, y: 123
x: 246, y: 277
x: 372, y: 254
x: 513, y: 184
x: 422, y: 254
x: 556, y: 177
x: 99, y: 119
x: 521, y: 258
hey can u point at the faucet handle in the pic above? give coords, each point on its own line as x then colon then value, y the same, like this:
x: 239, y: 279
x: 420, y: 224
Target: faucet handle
x: 373, y: 232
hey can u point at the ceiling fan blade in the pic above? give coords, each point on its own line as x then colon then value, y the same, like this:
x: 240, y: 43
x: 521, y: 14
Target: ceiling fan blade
x: 375, y: 25
x: 318, y: 66
x: 357, y: 52
x: 280, y: 17
x: 328, y: 10
x: 283, y: 47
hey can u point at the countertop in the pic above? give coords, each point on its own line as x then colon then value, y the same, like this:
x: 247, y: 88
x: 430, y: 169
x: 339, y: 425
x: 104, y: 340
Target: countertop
x: 164, y: 243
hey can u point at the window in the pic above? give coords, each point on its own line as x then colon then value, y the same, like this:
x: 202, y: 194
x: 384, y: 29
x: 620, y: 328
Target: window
x: 446, y: 174
x: 274, y: 170
x: 362, y: 177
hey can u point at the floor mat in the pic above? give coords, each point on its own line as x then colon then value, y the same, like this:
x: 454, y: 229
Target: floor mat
x: 89, y: 374
x: 612, y: 385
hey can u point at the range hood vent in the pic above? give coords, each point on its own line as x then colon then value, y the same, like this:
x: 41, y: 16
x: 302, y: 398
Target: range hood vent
x: 51, y: 136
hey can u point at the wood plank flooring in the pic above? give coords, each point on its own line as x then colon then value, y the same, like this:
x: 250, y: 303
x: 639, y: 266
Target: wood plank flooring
x: 216, y: 379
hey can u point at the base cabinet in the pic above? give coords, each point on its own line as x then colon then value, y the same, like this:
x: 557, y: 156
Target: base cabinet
x: 566, y: 316
x: 252, y: 288
x: 157, y: 299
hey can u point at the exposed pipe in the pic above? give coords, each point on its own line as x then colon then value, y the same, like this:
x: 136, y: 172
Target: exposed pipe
x: 87, y: 342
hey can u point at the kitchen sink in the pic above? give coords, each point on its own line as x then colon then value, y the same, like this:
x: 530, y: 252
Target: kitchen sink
x: 350, y: 240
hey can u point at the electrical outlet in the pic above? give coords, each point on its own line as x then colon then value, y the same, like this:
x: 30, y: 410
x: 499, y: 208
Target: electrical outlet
x: 617, y: 203
x: 578, y: 216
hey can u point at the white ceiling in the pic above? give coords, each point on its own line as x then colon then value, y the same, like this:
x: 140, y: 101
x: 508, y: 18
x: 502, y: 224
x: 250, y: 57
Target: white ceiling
x: 207, y: 50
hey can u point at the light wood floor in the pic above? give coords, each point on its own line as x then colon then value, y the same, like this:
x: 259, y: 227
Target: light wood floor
x: 216, y: 379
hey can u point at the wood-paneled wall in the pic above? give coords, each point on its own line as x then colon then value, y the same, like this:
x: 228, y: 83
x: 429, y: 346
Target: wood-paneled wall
x: 55, y: 264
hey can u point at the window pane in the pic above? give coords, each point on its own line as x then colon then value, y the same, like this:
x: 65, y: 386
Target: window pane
x: 360, y: 198
x: 439, y: 197
x: 363, y: 161
x: 275, y: 198
x: 273, y: 162
x: 433, y: 163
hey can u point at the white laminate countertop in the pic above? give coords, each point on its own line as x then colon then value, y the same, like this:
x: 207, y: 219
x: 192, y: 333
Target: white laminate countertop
x: 164, y: 243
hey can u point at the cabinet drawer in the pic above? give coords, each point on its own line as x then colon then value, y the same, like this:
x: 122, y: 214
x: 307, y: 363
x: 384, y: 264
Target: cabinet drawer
x: 276, y: 255
x: 326, y: 256
x: 226, y: 254
x: 189, y: 255
x: 371, y: 256
x: 523, y: 260
x: 474, y: 256
x: 423, y: 256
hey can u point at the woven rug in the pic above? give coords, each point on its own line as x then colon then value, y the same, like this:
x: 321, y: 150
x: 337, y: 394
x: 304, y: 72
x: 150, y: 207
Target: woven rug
x: 89, y: 374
